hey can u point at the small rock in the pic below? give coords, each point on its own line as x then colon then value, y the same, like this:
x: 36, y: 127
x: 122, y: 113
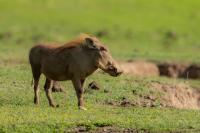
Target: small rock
x: 124, y: 98
x: 93, y: 85
x: 125, y: 103
x: 110, y: 103
x: 82, y: 129
x: 134, y: 91
x: 150, y: 97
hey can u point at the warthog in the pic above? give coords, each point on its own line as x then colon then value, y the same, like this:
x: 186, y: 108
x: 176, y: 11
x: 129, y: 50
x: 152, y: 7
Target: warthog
x: 73, y: 61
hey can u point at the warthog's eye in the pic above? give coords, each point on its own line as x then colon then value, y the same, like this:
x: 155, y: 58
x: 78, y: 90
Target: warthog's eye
x: 109, y: 64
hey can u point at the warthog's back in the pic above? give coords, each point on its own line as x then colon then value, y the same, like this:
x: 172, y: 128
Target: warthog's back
x: 61, y: 62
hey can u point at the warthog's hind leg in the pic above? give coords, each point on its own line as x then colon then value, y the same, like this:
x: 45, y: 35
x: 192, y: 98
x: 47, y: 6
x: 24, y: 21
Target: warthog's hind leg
x: 47, y: 88
x: 36, y: 77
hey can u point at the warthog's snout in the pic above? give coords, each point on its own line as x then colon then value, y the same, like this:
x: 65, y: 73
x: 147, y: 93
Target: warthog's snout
x: 119, y: 72
x: 114, y: 71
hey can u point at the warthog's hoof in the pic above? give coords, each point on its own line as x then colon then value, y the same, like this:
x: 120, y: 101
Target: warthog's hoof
x: 52, y: 105
x: 36, y: 101
x: 82, y: 108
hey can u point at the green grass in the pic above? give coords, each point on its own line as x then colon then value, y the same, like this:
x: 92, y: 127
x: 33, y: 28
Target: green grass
x: 136, y: 29
x: 19, y: 114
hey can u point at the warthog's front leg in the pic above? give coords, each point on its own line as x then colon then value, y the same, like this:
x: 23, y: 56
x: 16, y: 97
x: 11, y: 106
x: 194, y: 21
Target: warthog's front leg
x: 78, y: 85
x: 47, y: 87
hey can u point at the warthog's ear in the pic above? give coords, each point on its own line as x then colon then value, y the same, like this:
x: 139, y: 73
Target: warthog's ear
x: 90, y: 43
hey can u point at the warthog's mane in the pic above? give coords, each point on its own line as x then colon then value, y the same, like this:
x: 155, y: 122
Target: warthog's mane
x: 79, y: 41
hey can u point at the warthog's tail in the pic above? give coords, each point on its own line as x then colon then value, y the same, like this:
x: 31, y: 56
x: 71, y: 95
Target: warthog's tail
x: 32, y: 82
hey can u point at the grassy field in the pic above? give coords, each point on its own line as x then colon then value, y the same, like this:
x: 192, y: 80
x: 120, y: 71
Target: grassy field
x: 156, y: 30
x: 19, y: 114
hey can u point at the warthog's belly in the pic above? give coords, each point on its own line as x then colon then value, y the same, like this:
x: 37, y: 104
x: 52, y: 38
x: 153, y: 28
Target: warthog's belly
x: 54, y: 73
x: 56, y: 77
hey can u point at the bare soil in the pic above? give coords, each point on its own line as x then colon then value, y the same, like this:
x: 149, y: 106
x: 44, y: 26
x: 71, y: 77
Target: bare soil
x: 104, y: 129
x: 141, y: 68
x: 178, y: 96
x: 111, y: 129
x: 8, y: 62
x: 174, y: 70
x: 181, y: 96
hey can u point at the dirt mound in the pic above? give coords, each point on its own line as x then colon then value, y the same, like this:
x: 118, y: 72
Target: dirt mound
x: 172, y: 69
x: 192, y: 71
x: 140, y: 68
x: 175, y: 70
x: 178, y: 70
x: 178, y: 96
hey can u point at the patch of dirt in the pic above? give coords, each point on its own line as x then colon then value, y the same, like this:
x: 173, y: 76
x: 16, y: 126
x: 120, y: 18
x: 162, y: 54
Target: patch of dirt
x: 5, y: 62
x: 192, y: 71
x: 110, y: 129
x: 178, y: 96
x: 178, y: 70
x: 104, y: 129
x: 79, y: 129
x: 142, y: 101
x: 141, y: 68
x: 174, y: 70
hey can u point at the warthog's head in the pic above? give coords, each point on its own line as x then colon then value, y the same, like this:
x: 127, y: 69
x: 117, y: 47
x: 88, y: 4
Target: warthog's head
x: 102, y: 57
